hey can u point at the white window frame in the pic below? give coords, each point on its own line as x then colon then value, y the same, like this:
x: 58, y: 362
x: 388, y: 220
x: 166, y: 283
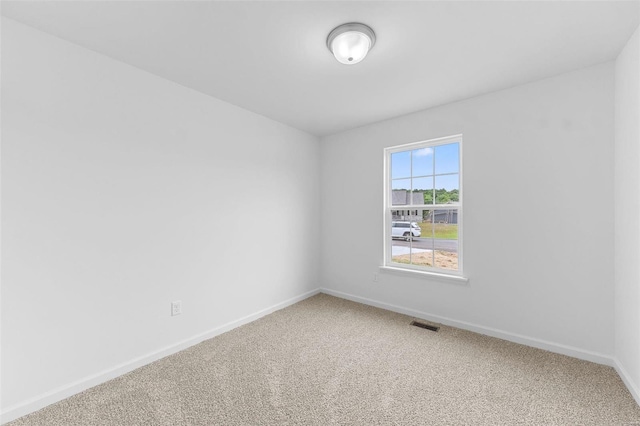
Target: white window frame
x: 388, y: 207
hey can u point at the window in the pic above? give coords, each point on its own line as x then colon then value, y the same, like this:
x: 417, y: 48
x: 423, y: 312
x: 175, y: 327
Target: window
x: 423, y: 206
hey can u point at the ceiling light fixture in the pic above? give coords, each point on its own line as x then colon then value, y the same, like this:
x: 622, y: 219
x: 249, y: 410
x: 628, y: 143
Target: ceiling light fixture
x: 351, y: 42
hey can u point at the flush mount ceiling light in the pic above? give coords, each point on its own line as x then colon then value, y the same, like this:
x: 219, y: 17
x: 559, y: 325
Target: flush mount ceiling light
x: 351, y: 42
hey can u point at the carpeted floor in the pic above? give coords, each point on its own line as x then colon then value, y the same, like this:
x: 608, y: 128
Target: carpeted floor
x: 329, y: 361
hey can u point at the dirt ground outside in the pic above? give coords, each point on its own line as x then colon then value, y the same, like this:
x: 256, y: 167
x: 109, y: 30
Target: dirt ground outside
x: 443, y: 259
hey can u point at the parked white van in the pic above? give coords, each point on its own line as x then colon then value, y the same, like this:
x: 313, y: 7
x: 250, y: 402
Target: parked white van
x: 405, y: 230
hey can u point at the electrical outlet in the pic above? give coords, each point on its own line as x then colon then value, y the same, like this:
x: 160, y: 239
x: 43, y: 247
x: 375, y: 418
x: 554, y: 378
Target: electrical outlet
x: 176, y: 308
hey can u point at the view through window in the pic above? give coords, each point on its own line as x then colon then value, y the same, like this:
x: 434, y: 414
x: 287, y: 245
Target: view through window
x: 423, y: 206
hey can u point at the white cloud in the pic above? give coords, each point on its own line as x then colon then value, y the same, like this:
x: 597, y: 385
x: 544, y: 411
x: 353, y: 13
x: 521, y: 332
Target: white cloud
x: 423, y: 152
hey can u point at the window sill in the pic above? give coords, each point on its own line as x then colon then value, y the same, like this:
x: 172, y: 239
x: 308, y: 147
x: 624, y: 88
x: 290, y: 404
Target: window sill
x: 425, y: 274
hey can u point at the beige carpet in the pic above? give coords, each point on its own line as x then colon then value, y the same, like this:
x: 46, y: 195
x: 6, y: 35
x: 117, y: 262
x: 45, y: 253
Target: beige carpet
x: 328, y: 361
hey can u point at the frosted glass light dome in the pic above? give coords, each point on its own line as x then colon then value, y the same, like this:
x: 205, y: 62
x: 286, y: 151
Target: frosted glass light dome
x: 351, y: 42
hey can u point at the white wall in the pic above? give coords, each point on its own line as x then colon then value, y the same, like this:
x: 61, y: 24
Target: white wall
x: 122, y: 192
x: 627, y: 213
x: 538, y: 213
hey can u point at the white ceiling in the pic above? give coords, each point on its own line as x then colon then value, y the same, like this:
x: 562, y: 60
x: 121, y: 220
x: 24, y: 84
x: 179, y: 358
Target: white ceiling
x: 271, y: 57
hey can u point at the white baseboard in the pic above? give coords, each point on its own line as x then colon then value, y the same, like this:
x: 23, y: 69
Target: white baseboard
x: 55, y: 395
x: 505, y: 335
x: 634, y: 389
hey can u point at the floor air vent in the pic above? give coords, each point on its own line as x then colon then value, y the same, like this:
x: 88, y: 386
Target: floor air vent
x: 425, y: 326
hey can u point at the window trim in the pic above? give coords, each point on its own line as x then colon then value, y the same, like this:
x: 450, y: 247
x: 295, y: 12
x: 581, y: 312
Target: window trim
x: 387, y: 207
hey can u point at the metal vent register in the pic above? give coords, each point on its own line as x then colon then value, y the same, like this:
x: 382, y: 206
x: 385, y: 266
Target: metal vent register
x: 425, y: 326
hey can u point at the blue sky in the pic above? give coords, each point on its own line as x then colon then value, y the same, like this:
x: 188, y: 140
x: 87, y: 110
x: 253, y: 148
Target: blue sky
x: 446, y: 161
